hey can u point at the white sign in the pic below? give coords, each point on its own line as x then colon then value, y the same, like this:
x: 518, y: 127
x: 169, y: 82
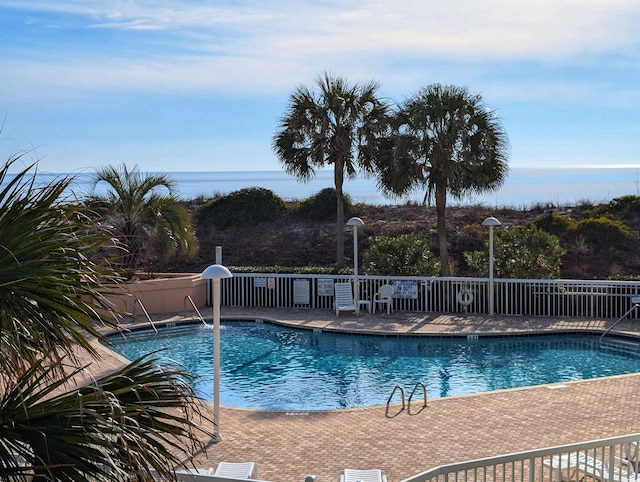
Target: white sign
x: 260, y: 282
x: 405, y: 289
x: 325, y: 286
x: 301, y: 291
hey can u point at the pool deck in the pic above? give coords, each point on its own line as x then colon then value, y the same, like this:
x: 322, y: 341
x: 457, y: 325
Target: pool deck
x: 288, y: 445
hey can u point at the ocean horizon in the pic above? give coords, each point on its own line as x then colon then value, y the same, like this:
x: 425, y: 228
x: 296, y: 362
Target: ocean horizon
x: 523, y: 188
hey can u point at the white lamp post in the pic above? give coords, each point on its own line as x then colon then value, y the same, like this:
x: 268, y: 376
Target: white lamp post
x: 216, y: 272
x: 491, y: 222
x: 355, y: 222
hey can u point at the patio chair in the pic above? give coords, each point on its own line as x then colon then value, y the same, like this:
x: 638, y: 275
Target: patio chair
x: 579, y: 465
x: 384, y: 296
x: 237, y: 470
x: 344, y: 298
x: 354, y: 475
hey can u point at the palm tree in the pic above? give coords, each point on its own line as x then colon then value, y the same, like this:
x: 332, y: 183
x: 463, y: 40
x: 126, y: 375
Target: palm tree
x: 338, y: 126
x: 55, y: 421
x: 143, y: 214
x: 446, y: 141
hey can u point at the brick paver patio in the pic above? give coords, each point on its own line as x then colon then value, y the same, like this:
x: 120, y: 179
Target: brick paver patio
x: 289, y: 445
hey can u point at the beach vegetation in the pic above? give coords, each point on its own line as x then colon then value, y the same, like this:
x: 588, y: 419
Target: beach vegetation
x: 446, y: 142
x: 526, y: 252
x: 404, y: 255
x: 143, y: 214
x: 61, y: 417
x: 323, y: 204
x: 245, y: 206
x: 339, y: 125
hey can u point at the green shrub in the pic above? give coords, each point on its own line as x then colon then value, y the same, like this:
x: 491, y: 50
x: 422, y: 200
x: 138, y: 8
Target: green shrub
x: 527, y: 252
x: 623, y: 208
x: 276, y: 269
x: 322, y: 205
x: 603, y: 232
x: 554, y: 224
x: 405, y: 255
x: 246, y: 206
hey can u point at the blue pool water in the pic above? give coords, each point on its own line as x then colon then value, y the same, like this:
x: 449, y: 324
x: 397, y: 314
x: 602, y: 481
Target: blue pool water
x: 266, y: 366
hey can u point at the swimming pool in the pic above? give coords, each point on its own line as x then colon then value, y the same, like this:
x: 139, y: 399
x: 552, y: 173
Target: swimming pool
x: 267, y: 366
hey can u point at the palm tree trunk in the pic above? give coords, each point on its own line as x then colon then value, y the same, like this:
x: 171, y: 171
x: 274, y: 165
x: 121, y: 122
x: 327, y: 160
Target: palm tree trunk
x: 338, y: 175
x: 441, y: 204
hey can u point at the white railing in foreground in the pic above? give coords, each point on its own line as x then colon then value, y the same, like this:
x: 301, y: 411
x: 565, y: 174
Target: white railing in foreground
x: 606, y: 460
x: 566, y: 298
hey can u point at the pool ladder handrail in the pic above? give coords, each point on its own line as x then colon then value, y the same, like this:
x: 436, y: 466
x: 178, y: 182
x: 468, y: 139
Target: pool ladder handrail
x: 184, y: 308
x: 397, y: 387
x: 139, y: 301
x: 415, y: 387
x: 636, y: 303
x: 424, y: 393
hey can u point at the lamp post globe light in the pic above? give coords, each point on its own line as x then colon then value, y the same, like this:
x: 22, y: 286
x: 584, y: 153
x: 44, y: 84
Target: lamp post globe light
x: 491, y: 222
x: 355, y: 223
x: 216, y: 272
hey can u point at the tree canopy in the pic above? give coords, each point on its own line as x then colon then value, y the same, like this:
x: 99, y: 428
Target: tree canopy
x: 339, y: 126
x: 445, y: 141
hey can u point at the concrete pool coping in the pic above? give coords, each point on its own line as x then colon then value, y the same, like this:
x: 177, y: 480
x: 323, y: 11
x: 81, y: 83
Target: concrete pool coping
x: 289, y: 445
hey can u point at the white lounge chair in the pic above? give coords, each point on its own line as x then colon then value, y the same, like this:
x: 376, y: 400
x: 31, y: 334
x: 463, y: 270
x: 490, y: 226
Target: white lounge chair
x: 384, y: 296
x: 237, y: 470
x: 344, y: 298
x: 354, y: 475
x: 578, y: 465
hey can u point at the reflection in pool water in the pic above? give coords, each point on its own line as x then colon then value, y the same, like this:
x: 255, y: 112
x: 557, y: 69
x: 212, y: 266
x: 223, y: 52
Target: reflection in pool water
x: 272, y: 367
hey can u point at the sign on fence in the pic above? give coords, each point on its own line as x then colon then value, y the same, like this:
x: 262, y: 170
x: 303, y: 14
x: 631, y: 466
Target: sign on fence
x: 325, y: 286
x: 301, y: 291
x: 405, y: 289
x: 260, y: 282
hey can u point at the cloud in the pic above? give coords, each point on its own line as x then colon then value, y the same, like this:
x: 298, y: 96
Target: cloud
x: 263, y: 47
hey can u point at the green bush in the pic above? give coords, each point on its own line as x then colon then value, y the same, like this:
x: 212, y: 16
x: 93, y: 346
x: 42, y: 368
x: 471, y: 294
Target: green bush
x: 623, y: 208
x: 554, y: 224
x: 405, y: 255
x: 603, y: 232
x: 246, y: 206
x: 527, y: 252
x: 322, y: 205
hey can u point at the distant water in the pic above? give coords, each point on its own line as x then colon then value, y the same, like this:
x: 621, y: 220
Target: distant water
x: 524, y: 187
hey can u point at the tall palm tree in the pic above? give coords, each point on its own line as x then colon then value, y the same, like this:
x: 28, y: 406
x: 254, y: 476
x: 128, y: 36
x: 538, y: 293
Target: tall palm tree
x: 144, y: 214
x: 446, y: 141
x: 339, y: 126
x: 54, y: 419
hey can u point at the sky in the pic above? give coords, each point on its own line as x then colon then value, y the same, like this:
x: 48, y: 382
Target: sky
x: 200, y: 85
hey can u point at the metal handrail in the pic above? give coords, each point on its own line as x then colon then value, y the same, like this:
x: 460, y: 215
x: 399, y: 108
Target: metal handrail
x: 530, y: 465
x: 424, y: 392
x: 397, y: 387
x: 184, y: 308
x: 137, y: 300
x: 636, y: 303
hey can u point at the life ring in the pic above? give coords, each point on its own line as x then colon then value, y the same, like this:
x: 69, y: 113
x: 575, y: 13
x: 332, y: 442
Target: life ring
x: 465, y: 297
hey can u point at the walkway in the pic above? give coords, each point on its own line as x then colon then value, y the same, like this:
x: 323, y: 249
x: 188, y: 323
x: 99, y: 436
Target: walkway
x: 289, y: 445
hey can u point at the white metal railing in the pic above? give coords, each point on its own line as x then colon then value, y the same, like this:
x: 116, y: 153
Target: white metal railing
x: 606, y: 460
x: 569, y: 298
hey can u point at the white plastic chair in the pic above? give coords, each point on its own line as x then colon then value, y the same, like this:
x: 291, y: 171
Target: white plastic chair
x: 354, y: 475
x: 384, y: 296
x: 344, y: 298
x: 237, y: 470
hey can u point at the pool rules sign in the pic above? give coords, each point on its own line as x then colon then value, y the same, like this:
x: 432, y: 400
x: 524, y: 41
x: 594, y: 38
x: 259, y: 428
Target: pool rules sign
x: 301, y: 291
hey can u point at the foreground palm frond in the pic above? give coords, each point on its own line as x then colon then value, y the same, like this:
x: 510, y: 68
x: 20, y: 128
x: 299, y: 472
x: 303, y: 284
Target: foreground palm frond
x: 50, y: 291
x: 145, y: 415
x: 51, y: 302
